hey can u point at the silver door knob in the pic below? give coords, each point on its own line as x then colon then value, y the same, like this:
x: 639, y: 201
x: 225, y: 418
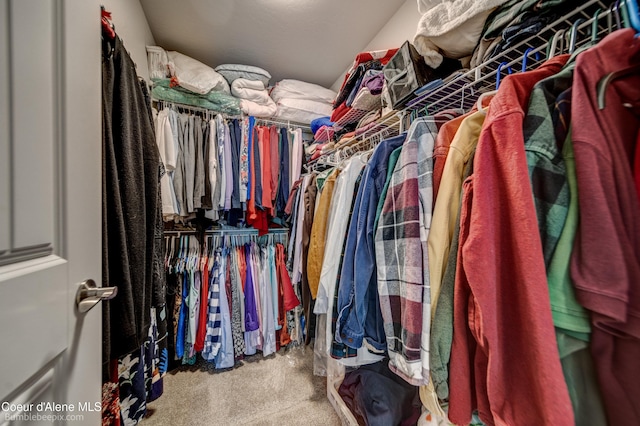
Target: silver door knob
x: 89, y: 294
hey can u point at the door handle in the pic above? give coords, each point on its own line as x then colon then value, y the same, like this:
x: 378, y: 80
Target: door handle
x: 89, y: 294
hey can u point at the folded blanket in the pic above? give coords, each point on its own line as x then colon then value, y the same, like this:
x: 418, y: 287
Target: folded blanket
x: 251, y: 90
x: 257, y: 110
x: 365, y: 101
x: 301, y: 110
x: 254, y: 98
x: 453, y: 26
x: 295, y: 89
x: 214, y: 100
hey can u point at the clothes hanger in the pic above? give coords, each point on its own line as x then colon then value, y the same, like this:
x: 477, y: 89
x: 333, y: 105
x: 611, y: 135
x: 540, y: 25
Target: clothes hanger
x: 634, y: 21
x: 622, y: 19
x: 554, y: 43
x: 525, y: 58
x: 483, y: 96
x: 594, y: 27
x: 574, y: 35
x: 605, y: 81
x: 107, y: 25
x: 462, y: 95
x: 633, y: 11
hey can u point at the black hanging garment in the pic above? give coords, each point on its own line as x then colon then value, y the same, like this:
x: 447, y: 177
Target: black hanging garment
x: 132, y: 252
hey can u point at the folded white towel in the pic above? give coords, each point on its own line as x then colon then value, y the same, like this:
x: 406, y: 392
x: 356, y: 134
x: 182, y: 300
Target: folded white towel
x: 257, y: 110
x: 251, y: 90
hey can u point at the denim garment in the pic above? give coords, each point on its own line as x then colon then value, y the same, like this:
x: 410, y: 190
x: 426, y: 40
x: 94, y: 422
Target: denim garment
x: 359, y: 313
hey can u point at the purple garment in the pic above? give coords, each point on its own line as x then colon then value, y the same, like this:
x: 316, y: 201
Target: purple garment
x: 228, y: 168
x: 374, y: 83
x: 250, y: 310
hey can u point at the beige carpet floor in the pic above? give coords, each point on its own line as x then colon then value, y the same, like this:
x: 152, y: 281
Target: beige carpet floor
x: 278, y: 390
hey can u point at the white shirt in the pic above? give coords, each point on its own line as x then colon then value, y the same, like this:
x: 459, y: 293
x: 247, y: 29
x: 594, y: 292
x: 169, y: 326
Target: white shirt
x: 343, y: 194
x: 167, y: 149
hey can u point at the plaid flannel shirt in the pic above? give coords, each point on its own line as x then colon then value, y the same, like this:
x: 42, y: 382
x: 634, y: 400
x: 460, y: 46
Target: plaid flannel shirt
x: 547, y: 170
x: 401, y: 256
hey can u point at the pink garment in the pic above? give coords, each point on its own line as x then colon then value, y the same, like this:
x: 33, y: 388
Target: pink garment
x: 324, y: 133
x: 504, y: 357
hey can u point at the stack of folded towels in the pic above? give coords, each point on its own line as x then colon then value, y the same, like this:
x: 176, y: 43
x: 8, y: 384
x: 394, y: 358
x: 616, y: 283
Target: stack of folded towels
x: 302, y: 102
x: 254, y: 98
x: 249, y: 84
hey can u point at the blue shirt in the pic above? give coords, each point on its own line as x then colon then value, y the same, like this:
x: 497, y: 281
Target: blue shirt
x: 359, y: 313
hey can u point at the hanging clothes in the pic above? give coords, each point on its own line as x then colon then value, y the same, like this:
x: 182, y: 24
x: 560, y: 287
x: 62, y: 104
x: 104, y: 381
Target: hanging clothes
x: 358, y: 307
x: 133, y: 178
x: 605, y: 263
x: 528, y: 301
x: 239, y: 310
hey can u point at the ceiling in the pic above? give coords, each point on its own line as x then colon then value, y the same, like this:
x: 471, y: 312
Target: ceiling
x: 309, y: 40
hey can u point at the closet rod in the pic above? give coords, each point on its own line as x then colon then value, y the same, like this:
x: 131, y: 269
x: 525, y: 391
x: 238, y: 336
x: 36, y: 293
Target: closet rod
x: 244, y: 231
x: 287, y: 123
x: 238, y: 231
x: 166, y: 104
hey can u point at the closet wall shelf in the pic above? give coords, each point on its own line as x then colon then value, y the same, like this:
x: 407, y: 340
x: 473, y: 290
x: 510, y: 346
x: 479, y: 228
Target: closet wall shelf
x: 194, y: 109
x: 283, y: 123
x: 259, y: 121
x: 464, y: 89
x: 353, y: 116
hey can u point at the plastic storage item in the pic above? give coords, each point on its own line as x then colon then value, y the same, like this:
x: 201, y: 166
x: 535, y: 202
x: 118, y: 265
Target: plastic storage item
x: 158, y: 62
x: 407, y: 72
x: 335, y: 376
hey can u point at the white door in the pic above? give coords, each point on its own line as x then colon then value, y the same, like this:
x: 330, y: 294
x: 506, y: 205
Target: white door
x: 50, y: 210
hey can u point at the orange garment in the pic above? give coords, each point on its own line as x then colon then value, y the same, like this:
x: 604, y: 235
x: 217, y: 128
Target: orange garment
x: 443, y: 141
x: 318, y: 234
x: 441, y: 150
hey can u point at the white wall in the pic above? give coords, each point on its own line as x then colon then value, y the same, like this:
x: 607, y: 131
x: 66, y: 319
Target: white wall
x: 400, y: 28
x: 132, y: 27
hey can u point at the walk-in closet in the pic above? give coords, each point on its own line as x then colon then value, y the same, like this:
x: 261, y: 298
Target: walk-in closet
x: 398, y: 212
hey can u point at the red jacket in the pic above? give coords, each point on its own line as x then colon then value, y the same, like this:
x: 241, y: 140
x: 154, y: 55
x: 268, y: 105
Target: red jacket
x: 605, y: 263
x: 504, y: 358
